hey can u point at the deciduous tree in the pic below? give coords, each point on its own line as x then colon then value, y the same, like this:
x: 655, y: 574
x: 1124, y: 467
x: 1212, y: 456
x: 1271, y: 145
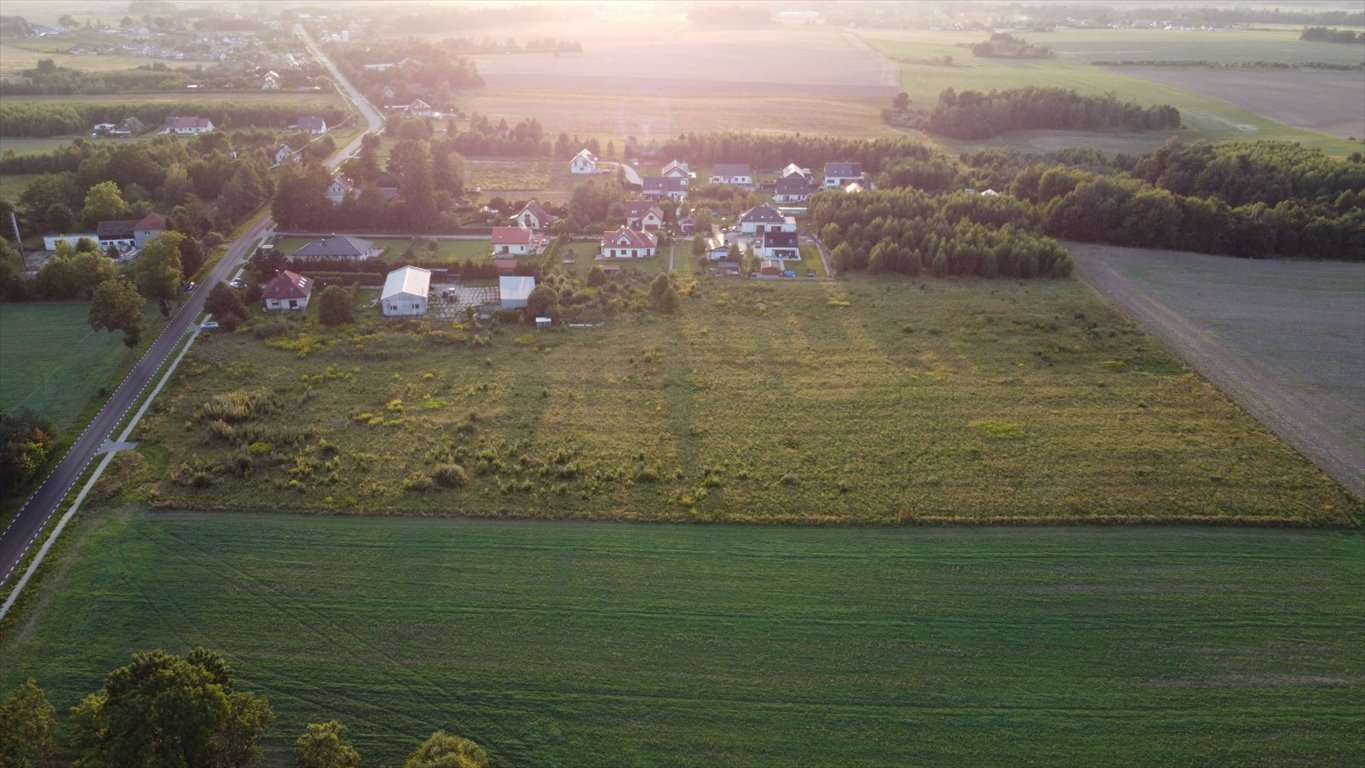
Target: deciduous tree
x: 117, y: 306
x: 335, y: 306
x: 158, y: 270
x: 324, y: 745
x: 445, y: 750
x: 27, y: 723
x: 102, y: 202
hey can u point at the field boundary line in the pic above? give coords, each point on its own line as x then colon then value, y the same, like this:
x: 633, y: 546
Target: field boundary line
x: 94, y: 477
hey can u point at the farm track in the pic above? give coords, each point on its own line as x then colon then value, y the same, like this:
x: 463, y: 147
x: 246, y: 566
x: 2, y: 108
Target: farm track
x: 1320, y: 423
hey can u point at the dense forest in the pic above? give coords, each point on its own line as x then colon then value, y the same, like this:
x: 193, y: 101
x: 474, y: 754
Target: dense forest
x: 976, y: 115
x: 62, y: 119
x: 909, y: 232
x: 1003, y: 45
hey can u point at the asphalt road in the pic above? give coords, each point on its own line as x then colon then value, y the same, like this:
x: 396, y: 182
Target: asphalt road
x: 33, y: 516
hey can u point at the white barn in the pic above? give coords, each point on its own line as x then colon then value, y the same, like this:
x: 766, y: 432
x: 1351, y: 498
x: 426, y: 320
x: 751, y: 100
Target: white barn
x: 405, y: 292
x: 514, y: 291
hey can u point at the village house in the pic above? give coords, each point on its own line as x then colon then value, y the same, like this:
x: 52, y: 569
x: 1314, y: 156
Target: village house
x: 270, y: 81
x: 283, y: 154
x: 716, y: 249
x: 288, y: 292
x: 626, y: 243
x: 312, y: 125
x: 342, y: 247
x: 677, y: 169
x: 795, y: 188
x: 793, y: 169
x: 765, y: 218
x: 129, y: 234
x: 514, y: 291
x: 687, y: 225
x: 582, y: 163
x: 534, y: 217
x: 405, y: 292
x: 842, y: 174
x: 735, y: 174
x: 515, y: 241
x: 187, y: 126
x: 340, y: 189
x: 129, y: 126
x: 643, y: 215
x: 779, y: 245
x: 665, y: 188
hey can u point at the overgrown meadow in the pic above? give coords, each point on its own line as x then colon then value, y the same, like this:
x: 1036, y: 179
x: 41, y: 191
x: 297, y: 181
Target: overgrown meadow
x: 877, y: 401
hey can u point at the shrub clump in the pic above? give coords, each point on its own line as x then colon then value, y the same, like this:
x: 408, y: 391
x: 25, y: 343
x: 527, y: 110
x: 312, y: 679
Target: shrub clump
x: 450, y: 476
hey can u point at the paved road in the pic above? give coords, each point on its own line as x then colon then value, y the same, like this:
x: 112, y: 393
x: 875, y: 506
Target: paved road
x: 33, y: 516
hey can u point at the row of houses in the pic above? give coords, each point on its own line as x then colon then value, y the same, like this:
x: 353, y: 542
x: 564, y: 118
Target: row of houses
x: 406, y: 292
x: 795, y: 185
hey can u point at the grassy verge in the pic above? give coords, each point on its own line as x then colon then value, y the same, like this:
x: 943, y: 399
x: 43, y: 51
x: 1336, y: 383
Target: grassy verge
x: 866, y: 401
x: 597, y: 644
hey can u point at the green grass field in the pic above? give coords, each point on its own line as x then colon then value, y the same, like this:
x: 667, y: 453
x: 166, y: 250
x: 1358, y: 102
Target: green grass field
x: 52, y: 363
x: 864, y: 401
x: 11, y: 187
x: 588, y: 644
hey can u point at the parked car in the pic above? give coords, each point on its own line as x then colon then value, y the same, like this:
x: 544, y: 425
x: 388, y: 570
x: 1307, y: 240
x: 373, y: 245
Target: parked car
x: 209, y: 325
x: 235, y: 282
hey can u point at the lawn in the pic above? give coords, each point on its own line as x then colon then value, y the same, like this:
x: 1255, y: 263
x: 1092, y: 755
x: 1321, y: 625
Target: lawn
x: 588, y: 644
x: 873, y: 401
x: 52, y: 363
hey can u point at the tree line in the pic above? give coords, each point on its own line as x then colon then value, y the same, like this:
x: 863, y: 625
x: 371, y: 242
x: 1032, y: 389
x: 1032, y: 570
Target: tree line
x: 41, y: 119
x: 1003, y: 45
x: 165, y: 710
x: 1206, y: 64
x: 909, y: 232
x: 776, y: 151
x: 1326, y: 35
x: 976, y: 115
x: 49, y: 79
x: 482, y: 137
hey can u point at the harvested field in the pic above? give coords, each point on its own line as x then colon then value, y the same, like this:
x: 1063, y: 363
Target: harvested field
x: 1332, y: 102
x: 1286, y: 339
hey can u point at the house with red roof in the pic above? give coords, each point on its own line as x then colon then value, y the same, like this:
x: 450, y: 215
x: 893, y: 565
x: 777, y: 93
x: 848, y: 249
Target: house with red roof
x: 626, y: 243
x: 534, y: 217
x: 515, y: 241
x: 643, y: 215
x: 288, y: 292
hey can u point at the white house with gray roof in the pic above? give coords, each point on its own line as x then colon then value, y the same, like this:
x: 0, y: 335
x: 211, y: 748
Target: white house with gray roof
x: 338, y: 247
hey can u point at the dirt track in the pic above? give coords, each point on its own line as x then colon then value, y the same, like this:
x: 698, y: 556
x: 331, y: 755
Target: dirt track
x: 1284, y: 339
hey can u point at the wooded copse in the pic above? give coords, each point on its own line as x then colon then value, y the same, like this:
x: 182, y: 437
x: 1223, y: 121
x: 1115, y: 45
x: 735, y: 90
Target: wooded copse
x: 977, y: 115
x: 908, y: 231
x: 1003, y: 45
x: 46, y: 119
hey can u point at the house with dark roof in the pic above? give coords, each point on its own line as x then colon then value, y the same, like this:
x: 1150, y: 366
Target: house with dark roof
x: 288, y: 292
x: 665, y: 188
x: 687, y: 225
x: 735, y: 174
x: 643, y: 215
x: 626, y: 243
x: 795, y: 188
x: 779, y: 245
x: 343, y: 247
x: 534, y: 217
x: 765, y: 218
x: 187, y: 126
x: 312, y: 124
x: 129, y: 234
x: 842, y: 174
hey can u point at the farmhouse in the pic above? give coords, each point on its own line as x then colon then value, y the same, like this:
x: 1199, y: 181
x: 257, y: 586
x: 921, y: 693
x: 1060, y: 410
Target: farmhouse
x: 338, y: 247
x: 626, y: 243
x: 795, y: 188
x: 515, y: 241
x: 313, y: 125
x: 288, y: 292
x: 676, y: 169
x: 842, y: 174
x: 129, y: 233
x: 187, y: 126
x: 736, y: 174
x: 765, y: 218
x: 665, y: 188
x: 340, y: 189
x: 643, y: 215
x: 584, y: 162
x: 405, y: 292
x: 534, y: 217
x: 779, y: 245
x: 513, y: 291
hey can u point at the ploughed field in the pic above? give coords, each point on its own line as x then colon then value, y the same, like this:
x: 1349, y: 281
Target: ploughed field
x: 587, y: 644
x: 876, y: 401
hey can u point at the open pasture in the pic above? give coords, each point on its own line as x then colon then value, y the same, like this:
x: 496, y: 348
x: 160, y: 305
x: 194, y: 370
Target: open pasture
x: 867, y: 401
x: 17, y: 55
x: 1284, y: 338
x: 589, y: 644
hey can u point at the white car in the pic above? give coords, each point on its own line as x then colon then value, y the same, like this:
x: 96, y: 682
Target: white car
x: 209, y: 325
x: 235, y: 282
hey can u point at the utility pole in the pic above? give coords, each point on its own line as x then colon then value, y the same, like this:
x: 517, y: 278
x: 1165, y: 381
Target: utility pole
x: 18, y: 244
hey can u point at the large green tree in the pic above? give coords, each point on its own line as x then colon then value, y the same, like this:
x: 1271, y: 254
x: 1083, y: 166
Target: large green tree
x: 11, y: 271
x: 73, y: 275
x: 164, y: 711
x: 335, y: 306
x: 244, y: 192
x: 103, y: 201
x: 158, y: 270
x: 27, y: 723
x: 226, y: 306
x: 117, y: 306
x: 324, y: 745
x: 446, y: 750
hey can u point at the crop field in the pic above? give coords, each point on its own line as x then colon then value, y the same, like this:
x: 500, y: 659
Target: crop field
x: 865, y: 401
x: 52, y: 363
x: 1283, y: 337
x: 924, y: 76
x: 588, y: 644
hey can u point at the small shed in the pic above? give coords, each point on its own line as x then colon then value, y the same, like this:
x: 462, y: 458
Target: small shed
x: 770, y: 267
x: 514, y: 291
x: 405, y: 292
x: 542, y: 323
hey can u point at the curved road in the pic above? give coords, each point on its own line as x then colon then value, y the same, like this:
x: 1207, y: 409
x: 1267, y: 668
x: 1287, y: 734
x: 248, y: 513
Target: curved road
x: 23, y: 530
